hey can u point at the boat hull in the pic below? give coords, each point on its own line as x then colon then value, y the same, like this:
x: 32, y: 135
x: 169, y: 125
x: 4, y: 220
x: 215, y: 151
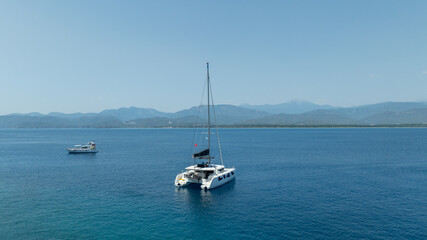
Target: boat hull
x: 220, y: 179
x: 181, y: 181
x: 79, y: 151
x: 215, y: 181
x: 88, y: 148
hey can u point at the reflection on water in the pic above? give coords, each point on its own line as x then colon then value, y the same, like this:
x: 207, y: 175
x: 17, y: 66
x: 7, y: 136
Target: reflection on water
x: 194, y: 198
x: 80, y: 156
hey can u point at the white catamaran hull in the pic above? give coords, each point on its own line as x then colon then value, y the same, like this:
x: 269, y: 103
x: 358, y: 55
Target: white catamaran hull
x: 215, y: 180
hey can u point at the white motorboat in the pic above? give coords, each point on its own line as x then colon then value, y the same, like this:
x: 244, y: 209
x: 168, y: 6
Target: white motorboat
x: 88, y: 148
x: 207, y: 174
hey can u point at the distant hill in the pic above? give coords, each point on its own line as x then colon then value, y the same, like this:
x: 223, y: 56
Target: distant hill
x: 225, y: 114
x: 131, y: 117
x: 387, y: 113
x: 292, y: 107
x: 34, y: 114
x: 413, y: 116
x: 361, y: 112
x: 20, y: 121
x: 126, y: 114
x: 317, y: 117
x: 381, y: 113
x: 187, y: 121
x: 70, y: 115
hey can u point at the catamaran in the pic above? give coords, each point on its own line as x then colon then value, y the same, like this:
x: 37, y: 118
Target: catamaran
x: 207, y: 174
x: 88, y: 148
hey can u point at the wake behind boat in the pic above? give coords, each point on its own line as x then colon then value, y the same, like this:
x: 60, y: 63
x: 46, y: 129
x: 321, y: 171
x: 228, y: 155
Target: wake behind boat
x: 88, y: 148
x: 206, y: 174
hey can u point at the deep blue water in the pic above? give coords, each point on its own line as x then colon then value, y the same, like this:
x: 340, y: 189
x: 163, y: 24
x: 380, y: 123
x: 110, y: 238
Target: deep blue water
x: 291, y: 183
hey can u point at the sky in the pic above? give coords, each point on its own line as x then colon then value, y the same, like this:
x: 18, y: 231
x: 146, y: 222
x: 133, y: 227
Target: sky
x: 87, y: 55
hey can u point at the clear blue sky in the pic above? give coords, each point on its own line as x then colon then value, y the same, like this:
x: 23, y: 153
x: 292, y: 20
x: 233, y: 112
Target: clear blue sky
x: 86, y: 56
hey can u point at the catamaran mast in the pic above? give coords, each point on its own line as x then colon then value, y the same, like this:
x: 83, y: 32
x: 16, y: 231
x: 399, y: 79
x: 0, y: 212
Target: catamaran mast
x: 209, y: 116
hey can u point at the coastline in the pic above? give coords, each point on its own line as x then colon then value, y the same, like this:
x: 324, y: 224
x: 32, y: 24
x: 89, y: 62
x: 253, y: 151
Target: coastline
x: 240, y: 126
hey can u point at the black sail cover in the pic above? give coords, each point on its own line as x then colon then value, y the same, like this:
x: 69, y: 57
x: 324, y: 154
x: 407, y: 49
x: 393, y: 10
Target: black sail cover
x: 201, y: 154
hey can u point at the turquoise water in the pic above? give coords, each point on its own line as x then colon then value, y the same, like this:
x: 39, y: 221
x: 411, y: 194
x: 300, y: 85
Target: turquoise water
x: 291, y: 183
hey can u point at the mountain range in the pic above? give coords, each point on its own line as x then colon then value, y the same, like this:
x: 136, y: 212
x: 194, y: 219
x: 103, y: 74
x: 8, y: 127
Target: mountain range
x: 294, y: 113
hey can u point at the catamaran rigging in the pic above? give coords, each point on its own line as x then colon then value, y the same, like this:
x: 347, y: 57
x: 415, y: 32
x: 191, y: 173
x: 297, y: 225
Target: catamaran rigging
x: 208, y: 175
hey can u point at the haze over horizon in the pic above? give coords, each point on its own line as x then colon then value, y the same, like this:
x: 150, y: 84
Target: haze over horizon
x: 80, y: 56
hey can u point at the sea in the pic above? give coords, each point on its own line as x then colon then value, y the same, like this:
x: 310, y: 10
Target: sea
x: 296, y: 183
